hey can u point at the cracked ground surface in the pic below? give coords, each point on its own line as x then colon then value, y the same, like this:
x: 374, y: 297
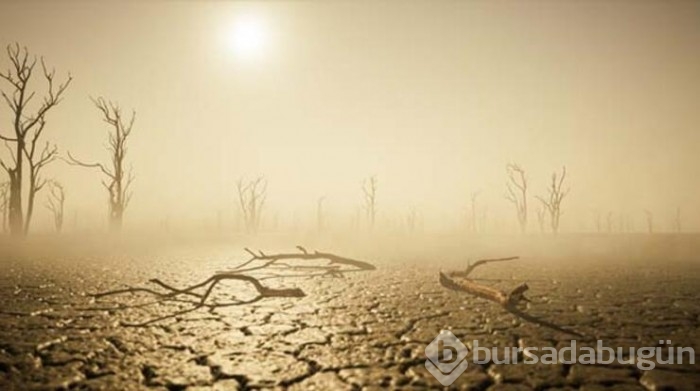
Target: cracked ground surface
x: 364, y: 331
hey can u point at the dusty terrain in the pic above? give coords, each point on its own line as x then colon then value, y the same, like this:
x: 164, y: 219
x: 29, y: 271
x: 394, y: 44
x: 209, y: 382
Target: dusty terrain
x: 365, y: 330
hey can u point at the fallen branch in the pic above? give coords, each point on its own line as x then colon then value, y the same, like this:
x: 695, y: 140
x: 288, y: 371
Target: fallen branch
x: 460, y: 281
x: 335, y: 267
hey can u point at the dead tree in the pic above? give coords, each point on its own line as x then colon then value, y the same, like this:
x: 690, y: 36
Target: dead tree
x: 608, y: 219
x: 650, y: 221
x: 677, y: 222
x: 4, y: 203
x: 118, y: 179
x: 412, y: 220
x: 251, y: 197
x: 552, y: 202
x: 621, y: 223
x: 541, y: 217
x: 24, y: 141
x: 258, y: 268
x: 369, y: 188
x: 55, y: 203
x: 517, y: 193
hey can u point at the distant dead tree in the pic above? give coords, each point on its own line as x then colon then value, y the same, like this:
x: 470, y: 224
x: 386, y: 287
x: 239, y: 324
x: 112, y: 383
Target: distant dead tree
x: 552, y: 202
x: 320, y: 218
x: 55, y: 203
x: 541, y: 217
x: 412, y: 220
x: 483, y: 219
x: 28, y: 126
x: 118, y: 179
x: 473, y: 220
x: 598, y: 224
x: 517, y: 193
x: 650, y: 221
x: 608, y: 220
x: 677, y: 221
x: 251, y: 197
x: 369, y: 188
x: 4, y: 203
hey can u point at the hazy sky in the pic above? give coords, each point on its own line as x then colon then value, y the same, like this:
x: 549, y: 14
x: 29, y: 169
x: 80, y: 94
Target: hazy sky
x: 432, y: 97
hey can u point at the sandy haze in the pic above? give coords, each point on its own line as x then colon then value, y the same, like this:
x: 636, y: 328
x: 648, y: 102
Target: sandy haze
x: 433, y: 99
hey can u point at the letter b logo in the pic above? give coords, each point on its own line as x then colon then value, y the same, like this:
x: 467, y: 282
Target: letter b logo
x: 446, y: 354
x: 446, y: 358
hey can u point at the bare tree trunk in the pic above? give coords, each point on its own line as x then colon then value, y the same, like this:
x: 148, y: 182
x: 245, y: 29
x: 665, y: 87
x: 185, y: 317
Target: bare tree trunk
x: 677, y: 222
x: 650, y: 221
x: 118, y: 180
x: 369, y: 188
x: 116, y: 217
x: 251, y: 197
x: 55, y: 204
x: 16, y: 218
x: 517, y: 193
x: 28, y: 126
x: 541, y: 218
x: 552, y: 202
x: 4, y: 203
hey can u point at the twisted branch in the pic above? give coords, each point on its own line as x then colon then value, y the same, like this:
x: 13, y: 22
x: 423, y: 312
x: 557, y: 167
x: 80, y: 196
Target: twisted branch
x: 334, y: 268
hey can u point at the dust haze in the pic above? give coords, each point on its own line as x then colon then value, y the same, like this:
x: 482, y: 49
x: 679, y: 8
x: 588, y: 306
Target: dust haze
x: 432, y: 101
x: 191, y: 146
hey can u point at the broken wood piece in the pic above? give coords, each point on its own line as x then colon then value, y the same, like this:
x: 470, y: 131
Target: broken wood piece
x: 460, y: 281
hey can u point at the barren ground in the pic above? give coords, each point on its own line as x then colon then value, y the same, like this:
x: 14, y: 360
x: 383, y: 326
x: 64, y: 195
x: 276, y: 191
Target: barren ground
x: 366, y: 330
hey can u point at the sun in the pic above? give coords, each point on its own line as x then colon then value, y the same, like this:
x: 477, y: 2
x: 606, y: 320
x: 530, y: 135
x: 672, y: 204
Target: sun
x: 247, y: 37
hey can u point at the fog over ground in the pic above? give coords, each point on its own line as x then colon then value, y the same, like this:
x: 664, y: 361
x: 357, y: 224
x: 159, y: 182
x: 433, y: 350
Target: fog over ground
x: 433, y: 99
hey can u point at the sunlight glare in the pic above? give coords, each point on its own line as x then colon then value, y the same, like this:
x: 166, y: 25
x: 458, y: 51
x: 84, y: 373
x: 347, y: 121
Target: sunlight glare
x: 246, y: 37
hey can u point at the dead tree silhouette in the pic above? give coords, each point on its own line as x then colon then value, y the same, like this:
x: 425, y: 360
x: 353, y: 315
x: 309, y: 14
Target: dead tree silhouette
x: 412, y: 221
x: 28, y: 126
x: 118, y: 180
x: 55, y: 203
x: 517, y: 193
x: 369, y: 188
x: 4, y: 203
x: 541, y: 217
x: 677, y: 221
x: 258, y: 268
x: 598, y: 223
x: 552, y: 202
x: 251, y: 196
x: 650, y: 221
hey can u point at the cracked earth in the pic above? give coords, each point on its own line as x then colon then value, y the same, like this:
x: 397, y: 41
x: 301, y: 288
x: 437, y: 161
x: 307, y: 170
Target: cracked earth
x: 364, y: 331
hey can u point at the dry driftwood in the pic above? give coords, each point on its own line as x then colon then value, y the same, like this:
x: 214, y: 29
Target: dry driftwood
x: 259, y: 262
x: 461, y: 281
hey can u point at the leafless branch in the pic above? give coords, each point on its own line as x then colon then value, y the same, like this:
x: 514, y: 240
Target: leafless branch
x: 555, y: 196
x: 335, y: 267
x: 516, y: 188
